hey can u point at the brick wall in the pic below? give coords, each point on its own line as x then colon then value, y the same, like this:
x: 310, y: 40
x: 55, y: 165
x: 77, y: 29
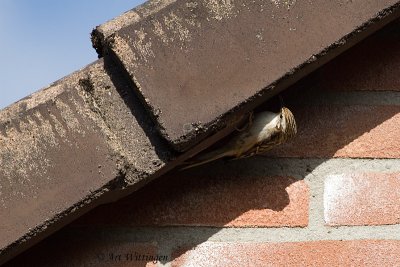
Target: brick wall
x: 329, y: 197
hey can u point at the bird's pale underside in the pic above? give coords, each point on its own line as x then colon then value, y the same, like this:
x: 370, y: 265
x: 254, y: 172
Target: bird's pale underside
x: 263, y: 132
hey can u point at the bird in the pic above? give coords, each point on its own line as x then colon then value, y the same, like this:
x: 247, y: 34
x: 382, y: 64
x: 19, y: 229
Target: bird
x: 264, y: 131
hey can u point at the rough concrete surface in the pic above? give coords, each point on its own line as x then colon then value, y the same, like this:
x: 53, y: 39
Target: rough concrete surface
x: 83, y: 141
x: 68, y: 148
x: 132, y: 16
x: 212, y: 59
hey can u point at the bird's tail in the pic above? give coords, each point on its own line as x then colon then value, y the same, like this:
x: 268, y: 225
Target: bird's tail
x: 205, y: 158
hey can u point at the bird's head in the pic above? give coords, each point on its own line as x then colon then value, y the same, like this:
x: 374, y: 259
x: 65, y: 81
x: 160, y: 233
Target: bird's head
x: 287, y: 123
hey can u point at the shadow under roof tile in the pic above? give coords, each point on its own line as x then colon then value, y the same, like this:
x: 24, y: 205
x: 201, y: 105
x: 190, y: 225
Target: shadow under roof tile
x: 198, y: 66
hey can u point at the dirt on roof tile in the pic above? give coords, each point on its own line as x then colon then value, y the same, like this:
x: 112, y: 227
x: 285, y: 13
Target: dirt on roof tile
x: 196, y: 65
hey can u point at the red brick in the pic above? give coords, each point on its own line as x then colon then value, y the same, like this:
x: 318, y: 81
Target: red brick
x: 319, y: 253
x: 211, y: 200
x: 374, y: 64
x: 362, y: 199
x: 340, y: 131
x: 93, y: 252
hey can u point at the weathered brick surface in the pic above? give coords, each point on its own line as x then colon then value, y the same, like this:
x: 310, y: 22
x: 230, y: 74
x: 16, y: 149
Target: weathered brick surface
x: 320, y: 253
x: 362, y: 199
x: 344, y: 131
x: 211, y: 200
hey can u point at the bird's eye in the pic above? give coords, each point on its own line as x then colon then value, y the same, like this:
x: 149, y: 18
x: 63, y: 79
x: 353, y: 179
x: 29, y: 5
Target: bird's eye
x: 281, y: 116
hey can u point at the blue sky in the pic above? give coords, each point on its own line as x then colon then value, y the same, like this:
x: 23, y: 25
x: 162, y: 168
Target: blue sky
x: 44, y: 40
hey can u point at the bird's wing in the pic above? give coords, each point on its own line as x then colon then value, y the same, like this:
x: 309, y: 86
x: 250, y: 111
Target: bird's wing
x: 240, y: 145
x: 207, y: 157
x: 262, y: 146
x: 234, y: 148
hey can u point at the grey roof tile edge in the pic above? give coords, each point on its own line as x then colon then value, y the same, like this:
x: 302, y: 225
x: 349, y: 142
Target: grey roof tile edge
x: 87, y: 111
x: 126, y: 154
x: 103, y: 31
x: 183, y: 142
x: 33, y: 131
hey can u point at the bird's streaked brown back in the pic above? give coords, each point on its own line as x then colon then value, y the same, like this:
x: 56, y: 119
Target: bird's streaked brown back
x: 280, y: 137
